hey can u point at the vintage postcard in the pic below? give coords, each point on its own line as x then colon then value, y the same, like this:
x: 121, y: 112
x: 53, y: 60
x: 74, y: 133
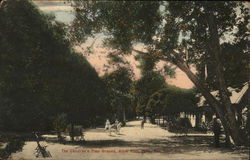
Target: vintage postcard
x: 124, y: 80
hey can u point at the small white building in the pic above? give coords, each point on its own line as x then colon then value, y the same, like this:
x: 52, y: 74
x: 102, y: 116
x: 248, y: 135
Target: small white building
x: 236, y: 98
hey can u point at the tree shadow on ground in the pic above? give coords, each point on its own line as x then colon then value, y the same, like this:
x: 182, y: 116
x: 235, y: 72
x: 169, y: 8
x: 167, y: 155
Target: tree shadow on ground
x: 95, y: 130
x: 194, y: 143
x: 94, y: 143
x: 172, y: 144
x: 131, y: 125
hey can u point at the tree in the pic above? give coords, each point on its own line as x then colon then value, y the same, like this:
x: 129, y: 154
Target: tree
x: 171, y: 100
x: 148, y: 84
x: 84, y: 98
x: 147, y: 63
x: 178, y: 32
x: 60, y: 124
x: 119, y: 83
x: 235, y: 70
x: 23, y: 81
x: 41, y: 75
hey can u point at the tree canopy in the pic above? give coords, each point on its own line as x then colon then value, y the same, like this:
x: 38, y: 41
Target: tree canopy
x: 171, y: 101
x: 148, y: 84
x: 41, y: 76
x: 184, y: 33
x: 119, y: 83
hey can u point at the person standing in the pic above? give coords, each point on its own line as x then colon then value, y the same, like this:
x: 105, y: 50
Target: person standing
x: 142, y: 124
x: 217, y: 131
x: 116, y: 123
x: 107, y: 124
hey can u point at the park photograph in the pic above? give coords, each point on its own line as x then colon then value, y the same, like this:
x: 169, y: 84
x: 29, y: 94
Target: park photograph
x: 124, y: 80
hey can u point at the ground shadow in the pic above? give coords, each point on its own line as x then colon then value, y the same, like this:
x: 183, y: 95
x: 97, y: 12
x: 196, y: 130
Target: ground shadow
x: 172, y: 144
x: 95, y: 130
x: 131, y: 125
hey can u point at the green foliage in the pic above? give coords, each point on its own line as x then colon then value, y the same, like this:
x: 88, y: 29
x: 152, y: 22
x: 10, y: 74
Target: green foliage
x: 172, y: 100
x: 180, y: 125
x: 184, y: 33
x: 168, y: 71
x: 120, y: 80
x: 119, y: 83
x: 190, y: 21
x: 14, y: 144
x: 115, y: 59
x: 126, y: 21
x: 41, y: 76
x: 60, y: 123
x: 145, y: 87
x: 185, y: 122
x: 147, y: 63
x: 236, y: 65
x: 167, y: 26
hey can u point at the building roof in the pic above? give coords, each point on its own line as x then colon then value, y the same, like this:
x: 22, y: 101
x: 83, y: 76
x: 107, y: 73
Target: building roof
x: 235, y: 97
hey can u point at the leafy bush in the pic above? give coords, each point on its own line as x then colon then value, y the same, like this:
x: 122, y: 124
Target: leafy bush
x: 14, y: 144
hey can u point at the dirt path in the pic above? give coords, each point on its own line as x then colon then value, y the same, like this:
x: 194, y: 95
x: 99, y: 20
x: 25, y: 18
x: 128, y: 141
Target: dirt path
x: 133, y: 142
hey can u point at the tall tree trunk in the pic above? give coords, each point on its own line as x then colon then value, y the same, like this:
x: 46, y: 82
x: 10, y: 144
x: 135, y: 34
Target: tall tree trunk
x: 226, y: 119
x: 227, y: 124
x: 215, y: 47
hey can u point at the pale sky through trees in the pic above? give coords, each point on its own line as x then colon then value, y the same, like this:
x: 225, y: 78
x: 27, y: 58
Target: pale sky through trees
x: 64, y: 12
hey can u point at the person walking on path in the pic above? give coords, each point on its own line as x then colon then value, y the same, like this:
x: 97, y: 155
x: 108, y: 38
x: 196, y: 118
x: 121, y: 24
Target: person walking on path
x: 107, y: 124
x: 217, y: 131
x: 116, y: 123
x: 142, y: 124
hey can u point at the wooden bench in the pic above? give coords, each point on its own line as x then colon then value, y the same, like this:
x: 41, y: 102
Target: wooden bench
x: 41, y: 150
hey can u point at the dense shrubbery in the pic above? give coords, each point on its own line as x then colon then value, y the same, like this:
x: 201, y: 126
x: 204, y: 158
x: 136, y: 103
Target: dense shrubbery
x: 41, y: 76
x: 14, y: 144
x: 180, y: 125
x: 170, y: 101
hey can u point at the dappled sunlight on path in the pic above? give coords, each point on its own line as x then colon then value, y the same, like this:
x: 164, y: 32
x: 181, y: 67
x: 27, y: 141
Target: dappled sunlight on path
x: 131, y: 132
x: 152, y: 142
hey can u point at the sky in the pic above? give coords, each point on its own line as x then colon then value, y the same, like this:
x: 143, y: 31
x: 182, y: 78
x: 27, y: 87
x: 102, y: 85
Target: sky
x: 64, y: 13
